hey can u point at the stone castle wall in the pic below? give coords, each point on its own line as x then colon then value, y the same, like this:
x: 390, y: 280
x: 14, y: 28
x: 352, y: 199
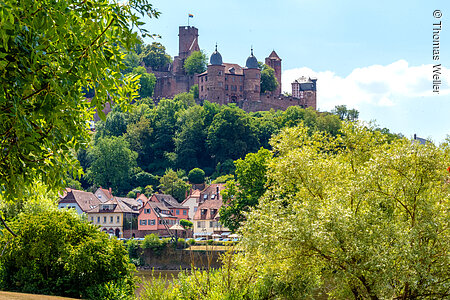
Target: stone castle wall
x: 268, y: 102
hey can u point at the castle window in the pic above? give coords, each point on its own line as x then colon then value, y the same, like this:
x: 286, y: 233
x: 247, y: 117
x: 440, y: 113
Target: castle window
x: 226, y: 87
x: 220, y: 84
x: 233, y: 78
x: 206, y: 78
x: 240, y: 88
x: 220, y: 73
x: 201, y: 79
x: 201, y: 88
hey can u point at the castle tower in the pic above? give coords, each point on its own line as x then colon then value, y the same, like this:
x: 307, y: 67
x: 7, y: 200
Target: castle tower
x: 274, y: 61
x: 215, y: 79
x: 252, y: 79
x: 188, y: 41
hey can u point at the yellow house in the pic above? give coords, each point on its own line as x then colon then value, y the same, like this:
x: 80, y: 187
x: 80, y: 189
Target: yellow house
x: 111, y: 215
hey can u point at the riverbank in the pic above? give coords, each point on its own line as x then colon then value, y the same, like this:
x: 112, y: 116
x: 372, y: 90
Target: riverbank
x: 22, y: 296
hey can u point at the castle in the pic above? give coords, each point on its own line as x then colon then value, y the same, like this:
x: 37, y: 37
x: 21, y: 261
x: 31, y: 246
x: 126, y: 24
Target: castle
x: 225, y: 83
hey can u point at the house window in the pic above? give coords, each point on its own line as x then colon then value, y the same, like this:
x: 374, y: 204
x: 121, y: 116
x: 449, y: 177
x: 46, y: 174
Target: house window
x: 143, y: 222
x: 195, y: 209
x: 104, y: 219
x: 152, y: 222
x: 178, y: 211
x: 111, y: 219
x: 118, y: 219
x: 184, y: 212
x: 98, y: 219
x: 92, y: 219
x: 201, y: 224
x: 211, y: 224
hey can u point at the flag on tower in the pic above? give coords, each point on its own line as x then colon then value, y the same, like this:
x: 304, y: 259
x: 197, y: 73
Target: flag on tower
x: 191, y: 15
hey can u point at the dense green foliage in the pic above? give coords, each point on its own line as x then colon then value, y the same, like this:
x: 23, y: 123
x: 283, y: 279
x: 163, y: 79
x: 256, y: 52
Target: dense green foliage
x: 57, y: 253
x: 367, y: 216
x: 268, y: 80
x: 112, y: 164
x: 173, y: 185
x: 181, y: 135
x: 241, y: 195
x: 195, y: 63
x: 49, y: 52
x: 354, y: 216
x: 196, y: 176
x: 147, y: 82
x: 155, y: 57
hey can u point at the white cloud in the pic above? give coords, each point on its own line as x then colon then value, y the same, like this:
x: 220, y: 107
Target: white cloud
x: 372, y: 86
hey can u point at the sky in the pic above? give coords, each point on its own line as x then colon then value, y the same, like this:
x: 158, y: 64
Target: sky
x: 374, y: 56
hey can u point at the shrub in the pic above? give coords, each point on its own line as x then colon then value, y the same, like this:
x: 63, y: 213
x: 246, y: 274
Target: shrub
x: 58, y: 253
x: 191, y: 242
x: 152, y: 241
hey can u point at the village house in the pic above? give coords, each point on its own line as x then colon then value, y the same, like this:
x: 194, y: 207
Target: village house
x: 206, y: 218
x: 192, y: 202
x: 81, y: 201
x: 155, y: 217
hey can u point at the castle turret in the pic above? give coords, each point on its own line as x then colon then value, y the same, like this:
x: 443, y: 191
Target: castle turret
x: 215, y: 79
x: 252, y: 79
x: 274, y: 61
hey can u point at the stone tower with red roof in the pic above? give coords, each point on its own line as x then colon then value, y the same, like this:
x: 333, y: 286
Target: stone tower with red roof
x: 274, y: 61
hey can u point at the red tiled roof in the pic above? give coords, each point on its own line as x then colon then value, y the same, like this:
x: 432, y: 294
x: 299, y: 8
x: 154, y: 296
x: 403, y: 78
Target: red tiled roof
x: 237, y: 69
x: 208, y: 210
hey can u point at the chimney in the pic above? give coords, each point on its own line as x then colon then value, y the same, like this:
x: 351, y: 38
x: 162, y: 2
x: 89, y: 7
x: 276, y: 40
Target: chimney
x: 110, y: 191
x: 138, y: 194
x: 415, y: 136
x: 217, y: 193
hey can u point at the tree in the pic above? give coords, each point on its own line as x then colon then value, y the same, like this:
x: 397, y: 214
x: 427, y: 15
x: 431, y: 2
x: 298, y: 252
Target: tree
x: 231, y: 135
x: 112, y: 164
x: 131, y: 61
x: 155, y: 56
x: 115, y: 124
x: 147, y: 82
x: 186, y: 224
x: 195, y: 63
x: 171, y: 184
x: 345, y: 114
x: 240, y: 196
x: 196, y: 176
x: 190, y: 138
x: 50, y: 52
x: 369, y: 216
x: 140, y: 137
x: 57, y: 253
x: 269, y: 82
x: 194, y: 91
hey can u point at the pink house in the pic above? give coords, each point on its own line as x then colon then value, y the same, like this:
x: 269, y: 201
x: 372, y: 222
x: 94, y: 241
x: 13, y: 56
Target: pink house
x: 160, y: 213
x: 176, y: 209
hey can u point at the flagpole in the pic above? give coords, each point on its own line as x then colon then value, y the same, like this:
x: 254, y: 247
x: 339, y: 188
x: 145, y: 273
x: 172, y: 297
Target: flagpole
x: 188, y: 19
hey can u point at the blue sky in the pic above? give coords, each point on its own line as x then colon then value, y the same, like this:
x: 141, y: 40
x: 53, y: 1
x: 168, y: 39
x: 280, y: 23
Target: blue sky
x: 375, y: 56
